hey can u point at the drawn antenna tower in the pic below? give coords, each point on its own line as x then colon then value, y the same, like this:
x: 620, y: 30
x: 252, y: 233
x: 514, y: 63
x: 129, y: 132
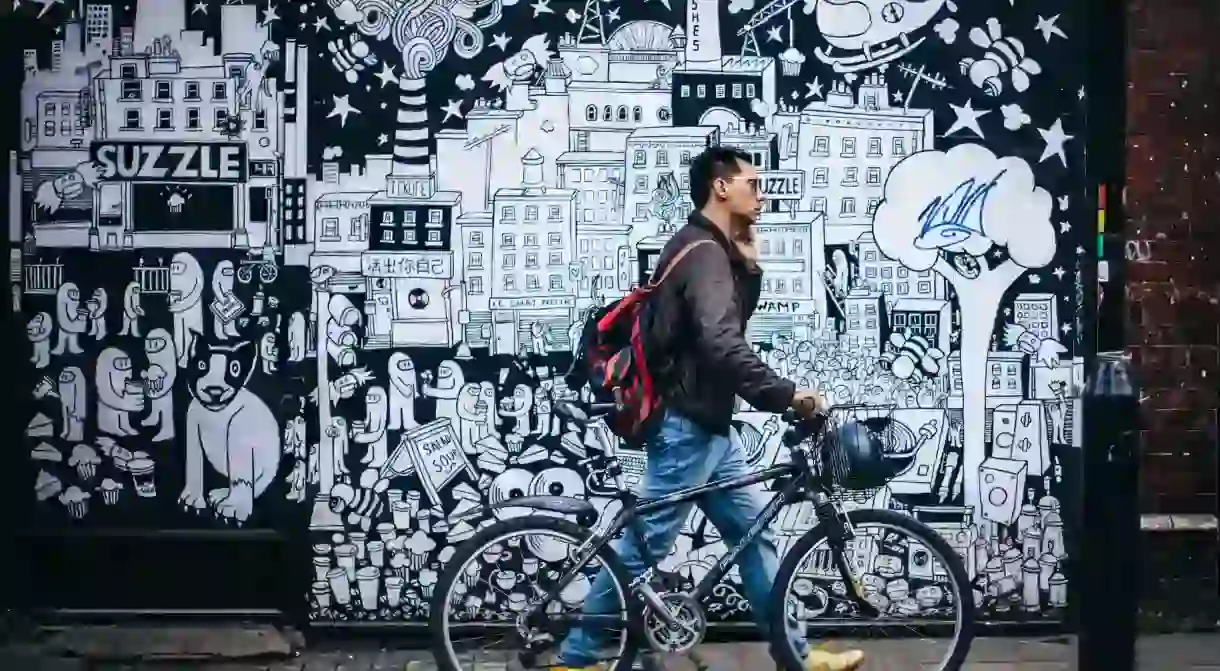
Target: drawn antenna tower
x: 916, y: 76
x: 749, y: 43
x: 592, y: 28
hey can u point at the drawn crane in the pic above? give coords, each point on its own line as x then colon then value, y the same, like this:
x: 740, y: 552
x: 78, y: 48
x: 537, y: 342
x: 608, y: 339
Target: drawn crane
x: 749, y: 44
x: 592, y: 28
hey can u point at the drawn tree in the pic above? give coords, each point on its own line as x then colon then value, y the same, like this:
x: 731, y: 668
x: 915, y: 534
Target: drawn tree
x: 980, y: 222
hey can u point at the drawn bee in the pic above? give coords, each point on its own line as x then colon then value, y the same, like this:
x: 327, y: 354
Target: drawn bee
x: 363, y: 503
x: 909, y: 354
x: 350, y: 58
x: 1003, y: 55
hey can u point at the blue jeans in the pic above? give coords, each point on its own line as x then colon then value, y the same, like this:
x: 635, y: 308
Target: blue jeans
x: 681, y: 455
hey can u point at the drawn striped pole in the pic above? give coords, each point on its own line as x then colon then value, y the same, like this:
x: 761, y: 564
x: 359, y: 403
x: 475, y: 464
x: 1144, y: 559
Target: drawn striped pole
x: 411, y: 138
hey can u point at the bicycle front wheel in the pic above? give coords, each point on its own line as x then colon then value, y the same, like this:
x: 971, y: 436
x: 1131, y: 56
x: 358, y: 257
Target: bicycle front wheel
x: 908, y: 573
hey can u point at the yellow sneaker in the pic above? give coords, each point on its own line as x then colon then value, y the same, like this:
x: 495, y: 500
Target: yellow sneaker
x: 822, y: 660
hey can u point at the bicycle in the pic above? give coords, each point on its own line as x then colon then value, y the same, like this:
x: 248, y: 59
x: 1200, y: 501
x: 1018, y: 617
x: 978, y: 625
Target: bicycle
x: 672, y: 620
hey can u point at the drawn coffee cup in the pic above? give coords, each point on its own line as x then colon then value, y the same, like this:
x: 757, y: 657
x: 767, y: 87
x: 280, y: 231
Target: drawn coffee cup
x: 516, y: 602
x: 507, y: 580
x: 493, y: 554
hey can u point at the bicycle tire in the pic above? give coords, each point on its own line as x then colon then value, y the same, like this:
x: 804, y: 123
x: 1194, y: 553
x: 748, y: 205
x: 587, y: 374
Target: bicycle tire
x: 782, y: 650
x: 441, y: 650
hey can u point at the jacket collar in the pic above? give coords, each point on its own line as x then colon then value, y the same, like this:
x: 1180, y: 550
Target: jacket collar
x: 699, y: 221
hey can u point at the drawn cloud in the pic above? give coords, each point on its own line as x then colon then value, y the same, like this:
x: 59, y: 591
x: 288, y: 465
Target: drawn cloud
x: 947, y: 30
x: 1014, y: 116
x: 332, y: 153
x: 1016, y: 213
x: 464, y: 82
x: 736, y: 6
x: 761, y: 107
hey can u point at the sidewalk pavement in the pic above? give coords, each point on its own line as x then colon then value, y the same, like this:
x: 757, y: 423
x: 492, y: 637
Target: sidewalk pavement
x: 1185, y: 652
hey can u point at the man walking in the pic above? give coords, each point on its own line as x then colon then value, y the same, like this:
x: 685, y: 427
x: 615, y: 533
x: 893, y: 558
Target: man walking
x: 696, y: 324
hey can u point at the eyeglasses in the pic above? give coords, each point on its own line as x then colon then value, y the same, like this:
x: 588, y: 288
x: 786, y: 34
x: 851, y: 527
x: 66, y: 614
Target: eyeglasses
x: 754, y: 183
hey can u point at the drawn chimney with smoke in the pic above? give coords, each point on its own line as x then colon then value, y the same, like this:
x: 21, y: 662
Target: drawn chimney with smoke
x: 411, y: 175
x: 703, y: 34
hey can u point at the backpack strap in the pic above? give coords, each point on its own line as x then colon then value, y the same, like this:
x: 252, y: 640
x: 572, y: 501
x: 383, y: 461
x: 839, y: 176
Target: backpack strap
x: 652, y: 284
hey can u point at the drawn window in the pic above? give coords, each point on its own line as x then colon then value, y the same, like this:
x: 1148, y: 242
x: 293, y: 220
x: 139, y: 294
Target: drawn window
x: 476, y: 238
x: 637, y: 114
x: 849, y: 147
x: 797, y: 286
x: 531, y: 213
x: 554, y: 240
x: 436, y: 217
x: 531, y: 260
x: 591, y: 113
x: 874, y: 147
x: 737, y: 90
x: 531, y: 281
x: 474, y: 261
x: 821, y: 176
x: 260, y: 119
x: 766, y: 246
x: 48, y: 129
x: 507, y: 213
x: 387, y: 218
x: 720, y: 90
x: 192, y: 118
x: 127, y: 71
x: 409, y: 237
x: 780, y: 286
x: 821, y: 146
x: 218, y: 90
x: 798, y: 247
x: 531, y: 239
x: 848, y: 207
x: 870, y: 255
x: 555, y: 259
x: 872, y: 205
x: 357, y: 228
x: 887, y: 272
x: 701, y: 91
x: 903, y: 272
x: 686, y: 181
x: 663, y: 114
x: 899, y: 147
x: 554, y: 213
x: 476, y: 285
x: 556, y: 282
x: 662, y: 158
x: 874, y: 176
x: 850, y: 176
x: 330, y: 228
x: 641, y: 211
x: 508, y: 261
x: 870, y: 323
x: 222, y: 115
x: 819, y: 204
x: 903, y: 288
x: 162, y: 91
x: 750, y: 91
x: 131, y: 90
x: 870, y: 309
x: 584, y: 245
x: 685, y: 159
x: 924, y: 287
x: 387, y: 236
x: 607, y: 113
x: 685, y: 91
x: 622, y: 112
x: 192, y: 91
x: 131, y: 119
x: 510, y: 283
x: 641, y: 184
x: 507, y: 241
x: 165, y: 119
x: 639, y: 159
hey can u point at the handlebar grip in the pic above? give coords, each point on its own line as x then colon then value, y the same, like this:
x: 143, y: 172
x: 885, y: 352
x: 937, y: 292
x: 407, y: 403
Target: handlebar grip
x: 600, y: 408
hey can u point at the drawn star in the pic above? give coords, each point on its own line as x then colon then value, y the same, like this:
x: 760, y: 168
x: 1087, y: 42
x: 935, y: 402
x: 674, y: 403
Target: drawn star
x: 341, y: 109
x: 1080, y: 94
x: 1079, y: 250
x: 968, y: 118
x: 773, y: 34
x: 612, y: 15
x: 1066, y: 328
x: 386, y: 75
x: 320, y: 24
x: 501, y: 41
x: 542, y: 7
x: 269, y: 15
x: 898, y: 97
x: 453, y: 109
x: 1047, y: 27
x: 571, y: 16
x: 200, y: 7
x: 1059, y: 273
x: 382, y: 139
x: 1035, y: 279
x: 815, y: 88
x: 1064, y: 227
x: 1055, y: 138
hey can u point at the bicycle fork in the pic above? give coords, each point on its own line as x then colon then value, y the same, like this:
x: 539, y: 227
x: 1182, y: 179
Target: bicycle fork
x: 839, y: 532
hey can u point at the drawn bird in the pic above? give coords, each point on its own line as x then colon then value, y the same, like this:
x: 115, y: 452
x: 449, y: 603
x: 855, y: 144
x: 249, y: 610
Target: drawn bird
x: 1002, y: 55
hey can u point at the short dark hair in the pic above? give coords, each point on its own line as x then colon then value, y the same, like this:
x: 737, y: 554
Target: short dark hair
x: 715, y: 162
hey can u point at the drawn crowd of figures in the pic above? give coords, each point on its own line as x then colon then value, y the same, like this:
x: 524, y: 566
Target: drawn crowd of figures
x: 375, y: 325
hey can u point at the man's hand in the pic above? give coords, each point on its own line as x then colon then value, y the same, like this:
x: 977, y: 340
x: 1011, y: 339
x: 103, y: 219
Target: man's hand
x: 807, y: 403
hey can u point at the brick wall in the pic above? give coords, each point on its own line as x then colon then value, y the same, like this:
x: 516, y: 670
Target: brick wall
x: 1173, y: 289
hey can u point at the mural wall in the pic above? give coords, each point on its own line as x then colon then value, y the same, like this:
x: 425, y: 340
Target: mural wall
x: 334, y: 254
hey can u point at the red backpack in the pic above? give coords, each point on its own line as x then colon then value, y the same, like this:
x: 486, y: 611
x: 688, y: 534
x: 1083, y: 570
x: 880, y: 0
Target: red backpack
x: 611, y: 358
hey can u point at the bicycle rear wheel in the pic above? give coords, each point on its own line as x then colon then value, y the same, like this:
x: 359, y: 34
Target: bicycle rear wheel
x: 908, y: 573
x: 475, y: 610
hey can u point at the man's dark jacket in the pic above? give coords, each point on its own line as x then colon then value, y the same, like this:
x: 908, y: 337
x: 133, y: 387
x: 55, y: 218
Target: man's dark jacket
x: 696, y: 325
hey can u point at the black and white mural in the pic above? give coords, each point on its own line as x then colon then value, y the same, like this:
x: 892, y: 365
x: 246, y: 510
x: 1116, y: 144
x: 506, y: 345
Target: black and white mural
x: 332, y: 255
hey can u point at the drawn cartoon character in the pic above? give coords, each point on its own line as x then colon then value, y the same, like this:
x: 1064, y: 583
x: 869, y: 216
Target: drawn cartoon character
x: 361, y: 503
x: 117, y: 394
x: 449, y: 381
x: 517, y: 407
x: 404, y: 382
x: 185, y: 294
x: 540, y: 338
x: 268, y: 353
x: 160, y: 376
x: 72, y: 318
x: 51, y: 194
x: 97, y: 313
x: 222, y: 290
x: 372, y: 431
x: 131, y: 310
x: 229, y: 425
x: 1003, y: 55
x: 472, y: 420
x: 548, y: 424
x: 337, y: 434
x: 871, y: 32
x: 73, y: 399
x: 38, y: 330
x: 296, y: 337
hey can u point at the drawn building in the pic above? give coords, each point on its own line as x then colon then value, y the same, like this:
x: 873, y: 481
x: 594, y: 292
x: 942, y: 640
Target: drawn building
x: 892, y: 278
x: 928, y: 318
x: 865, y: 320
x: 792, y: 302
x: 534, y: 231
x: 474, y: 235
x: 847, y: 146
x: 99, y: 25
x: 602, y: 242
x: 1038, y: 313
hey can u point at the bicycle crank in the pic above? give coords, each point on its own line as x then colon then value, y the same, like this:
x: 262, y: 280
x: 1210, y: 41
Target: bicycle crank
x: 688, y: 628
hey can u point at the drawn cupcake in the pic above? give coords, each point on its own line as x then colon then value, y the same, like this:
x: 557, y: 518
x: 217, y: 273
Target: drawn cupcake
x: 427, y: 582
x: 400, y: 565
x: 85, y: 460
x: 791, y: 61
x: 419, y: 546
x: 76, y: 501
x: 110, y: 491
